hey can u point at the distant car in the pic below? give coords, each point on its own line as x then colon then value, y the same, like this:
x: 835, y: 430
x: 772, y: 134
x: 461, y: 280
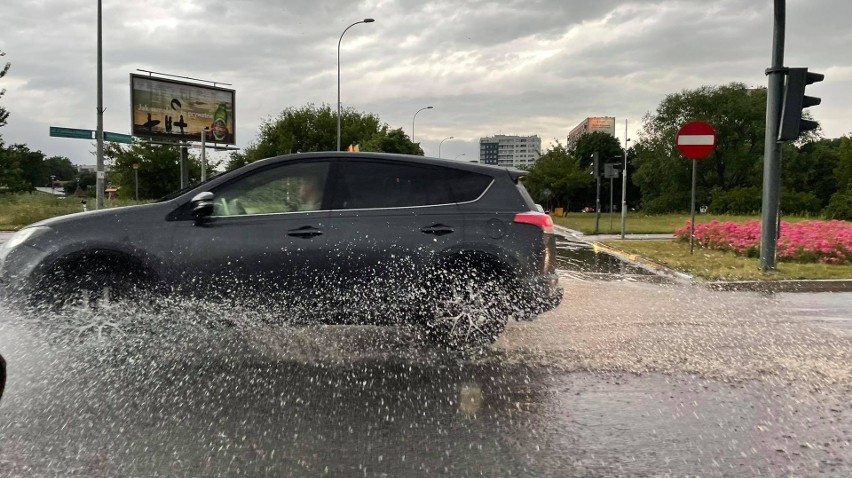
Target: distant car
x: 338, y: 237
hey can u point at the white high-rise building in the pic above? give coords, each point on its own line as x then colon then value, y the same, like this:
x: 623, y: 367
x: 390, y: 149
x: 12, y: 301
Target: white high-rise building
x: 511, y: 151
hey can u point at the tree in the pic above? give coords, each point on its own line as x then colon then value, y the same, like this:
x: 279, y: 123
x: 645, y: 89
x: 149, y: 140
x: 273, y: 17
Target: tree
x: 159, y: 169
x: 60, y: 167
x: 738, y: 115
x: 314, y: 128
x: 557, y: 178
x: 3, y: 113
x: 391, y: 141
x: 843, y: 170
x: 810, y: 168
x: 11, y: 174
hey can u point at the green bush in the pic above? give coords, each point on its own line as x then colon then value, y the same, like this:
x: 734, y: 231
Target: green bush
x: 736, y: 201
x: 800, y: 203
x: 667, y: 203
x: 840, y: 206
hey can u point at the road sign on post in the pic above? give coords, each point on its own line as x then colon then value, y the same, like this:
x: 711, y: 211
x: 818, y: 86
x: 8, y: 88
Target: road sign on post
x: 75, y: 133
x: 118, y: 138
x: 695, y: 140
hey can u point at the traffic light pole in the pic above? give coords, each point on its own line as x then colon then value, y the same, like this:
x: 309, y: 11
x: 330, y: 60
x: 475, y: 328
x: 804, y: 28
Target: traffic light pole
x: 598, y: 206
x: 772, y: 147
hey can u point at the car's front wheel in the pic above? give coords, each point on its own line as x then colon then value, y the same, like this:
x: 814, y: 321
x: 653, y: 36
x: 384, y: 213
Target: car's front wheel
x: 469, y: 310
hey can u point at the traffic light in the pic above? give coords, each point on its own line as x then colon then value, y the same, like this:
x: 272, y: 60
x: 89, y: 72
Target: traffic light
x: 596, y: 165
x: 792, y: 125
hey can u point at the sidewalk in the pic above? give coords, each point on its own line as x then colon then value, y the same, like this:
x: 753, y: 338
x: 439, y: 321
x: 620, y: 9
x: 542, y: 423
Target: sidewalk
x: 827, y: 285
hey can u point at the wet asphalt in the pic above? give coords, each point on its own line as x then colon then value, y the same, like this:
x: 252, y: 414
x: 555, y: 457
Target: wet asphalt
x: 630, y: 376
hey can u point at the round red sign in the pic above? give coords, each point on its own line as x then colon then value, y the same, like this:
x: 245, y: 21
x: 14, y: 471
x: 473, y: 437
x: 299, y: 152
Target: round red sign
x: 696, y: 140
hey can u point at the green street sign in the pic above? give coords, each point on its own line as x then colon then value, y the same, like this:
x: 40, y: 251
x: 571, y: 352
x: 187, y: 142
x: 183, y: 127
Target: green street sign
x: 72, y: 133
x: 118, y: 137
x: 76, y: 133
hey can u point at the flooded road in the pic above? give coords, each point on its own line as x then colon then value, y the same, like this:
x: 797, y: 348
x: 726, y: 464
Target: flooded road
x: 627, y: 377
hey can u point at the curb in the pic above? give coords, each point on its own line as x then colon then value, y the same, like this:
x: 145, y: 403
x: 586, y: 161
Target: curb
x: 662, y: 270
x: 815, y: 285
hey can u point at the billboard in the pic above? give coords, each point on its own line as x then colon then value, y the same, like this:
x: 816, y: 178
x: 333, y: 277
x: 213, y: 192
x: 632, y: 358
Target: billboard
x: 605, y: 124
x: 177, y: 110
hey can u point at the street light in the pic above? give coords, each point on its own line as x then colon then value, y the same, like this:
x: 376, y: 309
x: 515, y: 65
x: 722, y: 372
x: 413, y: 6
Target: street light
x: 458, y: 156
x: 415, y: 117
x: 442, y: 142
x: 366, y: 20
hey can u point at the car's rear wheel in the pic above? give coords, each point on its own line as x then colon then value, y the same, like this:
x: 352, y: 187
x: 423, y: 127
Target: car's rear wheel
x: 469, y: 310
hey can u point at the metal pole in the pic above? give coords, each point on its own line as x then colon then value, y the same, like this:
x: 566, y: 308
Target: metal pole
x: 598, y: 205
x: 692, y: 221
x: 203, y: 156
x: 414, y: 118
x: 624, y: 185
x: 99, y: 133
x: 441, y: 144
x: 771, y: 146
x: 611, y: 179
x: 366, y: 20
x: 184, y: 166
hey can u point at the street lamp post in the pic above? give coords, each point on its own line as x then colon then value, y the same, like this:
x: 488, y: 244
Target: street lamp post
x: 366, y: 20
x: 442, y: 142
x: 415, y: 117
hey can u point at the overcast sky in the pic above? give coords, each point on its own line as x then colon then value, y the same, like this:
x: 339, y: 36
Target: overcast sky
x: 488, y: 67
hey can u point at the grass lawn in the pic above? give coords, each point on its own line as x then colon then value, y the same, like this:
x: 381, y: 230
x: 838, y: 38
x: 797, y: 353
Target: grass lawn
x: 718, y: 265
x: 638, y: 223
x: 19, y: 210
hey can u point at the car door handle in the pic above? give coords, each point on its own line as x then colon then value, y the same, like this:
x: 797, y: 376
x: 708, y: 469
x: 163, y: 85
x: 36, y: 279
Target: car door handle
x: 305, y: 232
x: 437, y: 230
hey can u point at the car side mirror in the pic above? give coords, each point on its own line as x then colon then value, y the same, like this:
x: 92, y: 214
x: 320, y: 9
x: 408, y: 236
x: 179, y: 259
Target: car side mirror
x: 202, y: 206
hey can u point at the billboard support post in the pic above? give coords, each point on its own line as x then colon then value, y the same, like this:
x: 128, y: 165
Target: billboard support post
x: 203, y: 156
x: 184, y: 165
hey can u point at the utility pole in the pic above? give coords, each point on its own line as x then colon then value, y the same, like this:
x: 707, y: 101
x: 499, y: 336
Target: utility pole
x: 596, y: 165
x: 771, y: 145
x: 99, y: 133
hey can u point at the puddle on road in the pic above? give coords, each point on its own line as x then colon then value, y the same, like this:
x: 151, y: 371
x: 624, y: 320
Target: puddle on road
x: 578, y: 259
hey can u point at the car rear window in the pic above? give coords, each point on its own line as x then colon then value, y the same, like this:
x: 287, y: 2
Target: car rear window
x: 468, y: 186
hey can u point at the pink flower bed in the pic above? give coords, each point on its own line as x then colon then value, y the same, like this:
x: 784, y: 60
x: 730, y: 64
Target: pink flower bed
x: 810, y: 241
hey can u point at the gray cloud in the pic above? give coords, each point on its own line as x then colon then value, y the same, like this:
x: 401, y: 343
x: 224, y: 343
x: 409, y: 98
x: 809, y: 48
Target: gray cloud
x: 527, y: 67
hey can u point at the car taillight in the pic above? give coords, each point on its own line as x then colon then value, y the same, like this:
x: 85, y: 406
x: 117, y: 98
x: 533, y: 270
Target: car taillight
x: 544, y: 221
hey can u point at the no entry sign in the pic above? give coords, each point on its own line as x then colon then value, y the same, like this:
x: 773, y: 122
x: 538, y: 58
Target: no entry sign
x: 696, y: 140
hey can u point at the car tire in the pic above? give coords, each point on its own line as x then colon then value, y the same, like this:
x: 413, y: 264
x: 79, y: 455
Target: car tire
x: 93, y: 283
x: 469, y: 310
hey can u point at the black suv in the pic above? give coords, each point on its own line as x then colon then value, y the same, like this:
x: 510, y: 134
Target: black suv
x: 330, y: 237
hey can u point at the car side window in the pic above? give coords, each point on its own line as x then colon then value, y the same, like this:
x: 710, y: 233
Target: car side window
x: 370, y: 185
x: 287, y: 188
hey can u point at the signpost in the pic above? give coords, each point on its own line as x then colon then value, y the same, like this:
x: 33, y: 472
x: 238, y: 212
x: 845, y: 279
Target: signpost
x: 695, y: 140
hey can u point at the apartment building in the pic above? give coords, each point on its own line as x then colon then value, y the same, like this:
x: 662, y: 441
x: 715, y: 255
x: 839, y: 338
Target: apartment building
x: 510, y: 151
